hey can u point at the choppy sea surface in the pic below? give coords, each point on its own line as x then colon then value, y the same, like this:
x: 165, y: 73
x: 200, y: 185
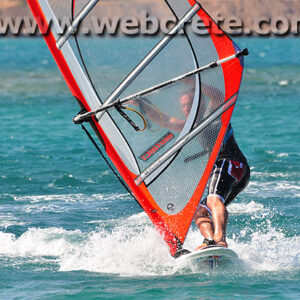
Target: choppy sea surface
x: 68, y: 229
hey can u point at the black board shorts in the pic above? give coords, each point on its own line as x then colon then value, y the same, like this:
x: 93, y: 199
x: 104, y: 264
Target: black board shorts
x: 228, y: 178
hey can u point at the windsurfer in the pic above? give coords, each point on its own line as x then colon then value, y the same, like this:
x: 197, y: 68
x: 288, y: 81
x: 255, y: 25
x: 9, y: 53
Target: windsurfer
x: 228, y: 178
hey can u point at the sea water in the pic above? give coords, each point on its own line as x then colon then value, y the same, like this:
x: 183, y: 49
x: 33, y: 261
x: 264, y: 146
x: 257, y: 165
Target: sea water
x: 68, y: 229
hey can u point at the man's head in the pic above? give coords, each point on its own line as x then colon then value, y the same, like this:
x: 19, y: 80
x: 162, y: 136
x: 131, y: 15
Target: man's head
x: 186, y: 102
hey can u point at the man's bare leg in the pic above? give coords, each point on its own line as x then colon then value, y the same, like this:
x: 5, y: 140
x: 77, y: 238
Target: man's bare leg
x: 205, y: 224
x: 220, y: 218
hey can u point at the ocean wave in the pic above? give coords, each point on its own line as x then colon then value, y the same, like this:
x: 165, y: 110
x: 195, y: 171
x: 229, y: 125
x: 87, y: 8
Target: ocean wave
x: 270, y: 251
x: 132, y: 247
x: 271, y: 189
x: 8, y: 220
x: 71, y: 197
x: 38, y: 242
x: 245, y: 208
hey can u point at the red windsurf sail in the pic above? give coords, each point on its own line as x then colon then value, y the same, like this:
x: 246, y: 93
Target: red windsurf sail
x: 165, y: 166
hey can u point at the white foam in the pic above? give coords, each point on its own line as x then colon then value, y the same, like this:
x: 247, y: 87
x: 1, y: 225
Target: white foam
x: 70, y: 197
x: 270, y: 151
x: 123, y: 252
x: 46, y: 198
x: 245, y: 208
x: 271, y: 188
x: 283, y: 82
x: 270, y: 251
x: 137, y: 220
x: 7, y: 220
x: 37, y: 242
x: 130, y: 246
x: 271, y: 174
x: 283, y: 154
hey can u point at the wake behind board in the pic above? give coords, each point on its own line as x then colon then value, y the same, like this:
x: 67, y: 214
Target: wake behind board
x: 212, y: 256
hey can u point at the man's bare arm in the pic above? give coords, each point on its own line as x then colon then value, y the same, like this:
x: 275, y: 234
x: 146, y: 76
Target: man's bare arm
x: 160, y: 118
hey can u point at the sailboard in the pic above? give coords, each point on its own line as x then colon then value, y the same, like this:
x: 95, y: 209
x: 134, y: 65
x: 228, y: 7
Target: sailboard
x: 166, y: 169
x: 212, y: 256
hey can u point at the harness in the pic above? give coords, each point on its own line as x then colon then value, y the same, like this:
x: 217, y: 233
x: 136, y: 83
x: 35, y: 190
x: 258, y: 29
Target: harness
x: 228, y: 135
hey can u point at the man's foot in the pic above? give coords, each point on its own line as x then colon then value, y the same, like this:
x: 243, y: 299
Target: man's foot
x: 221, y: 244
x: 202, y: 246
x: 206, y: 243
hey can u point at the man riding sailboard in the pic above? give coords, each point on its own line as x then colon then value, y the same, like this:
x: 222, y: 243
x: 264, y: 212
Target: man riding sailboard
x: 166, y: 169
x: 230, y: 174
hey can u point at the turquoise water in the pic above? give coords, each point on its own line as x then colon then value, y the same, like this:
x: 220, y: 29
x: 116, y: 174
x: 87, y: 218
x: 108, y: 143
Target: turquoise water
x: 68, y: 228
